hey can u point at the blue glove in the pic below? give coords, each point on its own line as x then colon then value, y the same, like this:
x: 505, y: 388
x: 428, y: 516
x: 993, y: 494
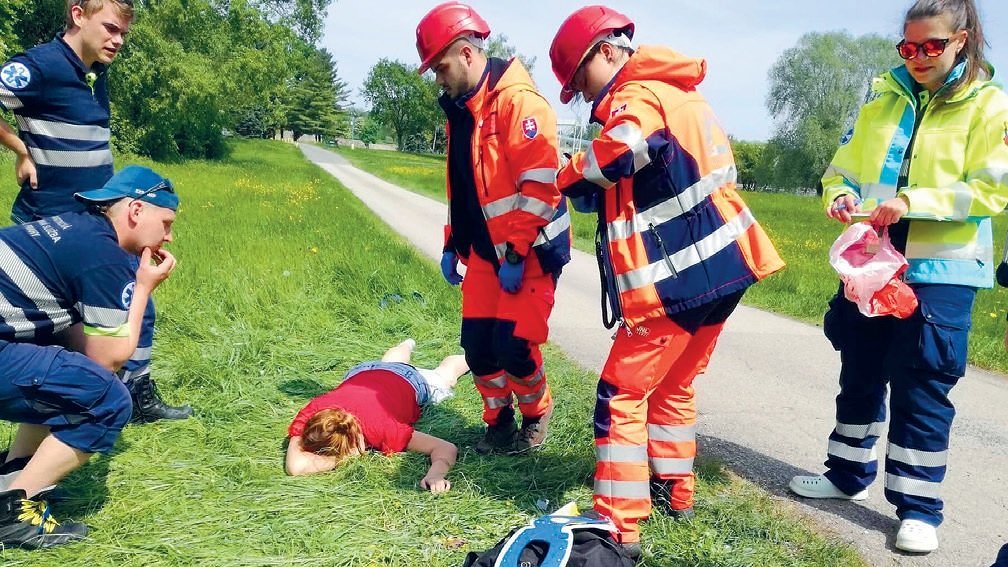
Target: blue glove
x: 586, y: 204
x: 511, y: 276
x: 449, y: 268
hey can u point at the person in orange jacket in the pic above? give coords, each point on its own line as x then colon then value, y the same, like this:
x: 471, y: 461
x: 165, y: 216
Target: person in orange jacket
x: 507, y: 222
x: 678, y: 248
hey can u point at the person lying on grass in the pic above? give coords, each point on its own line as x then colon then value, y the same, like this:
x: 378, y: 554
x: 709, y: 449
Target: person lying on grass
x: 375, y: 407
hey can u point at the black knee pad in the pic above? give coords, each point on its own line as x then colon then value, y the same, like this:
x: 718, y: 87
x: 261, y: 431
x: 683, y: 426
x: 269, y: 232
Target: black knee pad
x: 477, y: 342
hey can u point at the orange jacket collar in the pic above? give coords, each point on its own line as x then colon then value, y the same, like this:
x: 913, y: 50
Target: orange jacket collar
x: 514, y: 75
x: 653, y: 63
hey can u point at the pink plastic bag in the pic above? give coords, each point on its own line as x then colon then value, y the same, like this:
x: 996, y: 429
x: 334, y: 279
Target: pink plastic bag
x: 870, y: 268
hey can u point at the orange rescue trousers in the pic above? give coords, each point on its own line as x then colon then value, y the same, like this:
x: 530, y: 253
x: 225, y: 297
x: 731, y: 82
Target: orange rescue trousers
x: 645, y: 412
x: 501, y: 334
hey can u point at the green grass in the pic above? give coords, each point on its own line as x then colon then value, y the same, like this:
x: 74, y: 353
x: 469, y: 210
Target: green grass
x: 796, y: 225
x: 279, y: 290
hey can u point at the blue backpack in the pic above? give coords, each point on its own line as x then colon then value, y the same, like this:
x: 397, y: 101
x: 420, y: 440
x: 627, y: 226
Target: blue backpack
x: 556, y: 541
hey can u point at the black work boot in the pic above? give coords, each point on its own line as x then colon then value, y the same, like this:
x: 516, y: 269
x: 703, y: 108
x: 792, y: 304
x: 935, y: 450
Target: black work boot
x: 26, y: 523
x: 661, y: 500
x: 148, y: 405
x: 499, y: 437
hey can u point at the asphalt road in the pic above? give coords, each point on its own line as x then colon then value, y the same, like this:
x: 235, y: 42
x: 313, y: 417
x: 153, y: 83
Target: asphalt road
x: 766, y: 401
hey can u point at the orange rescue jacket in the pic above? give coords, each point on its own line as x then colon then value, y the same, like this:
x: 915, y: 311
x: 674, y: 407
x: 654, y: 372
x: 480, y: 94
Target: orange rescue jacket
x: 515, y: 160
x: 673, y: 232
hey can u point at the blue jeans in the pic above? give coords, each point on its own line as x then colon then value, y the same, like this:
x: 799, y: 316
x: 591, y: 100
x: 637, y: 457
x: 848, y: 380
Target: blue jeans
x: 405, y: 371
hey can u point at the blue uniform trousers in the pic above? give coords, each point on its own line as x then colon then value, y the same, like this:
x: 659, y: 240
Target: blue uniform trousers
x: 920, y: 358
x: 84, y: 405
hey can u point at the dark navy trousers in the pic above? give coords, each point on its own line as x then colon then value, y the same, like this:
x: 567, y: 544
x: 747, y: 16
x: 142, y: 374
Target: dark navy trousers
x: 920, y: 359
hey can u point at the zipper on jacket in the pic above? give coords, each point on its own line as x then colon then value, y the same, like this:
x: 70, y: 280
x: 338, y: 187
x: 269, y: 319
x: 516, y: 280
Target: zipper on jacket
x: 665, y: 254
x: 486, y: 188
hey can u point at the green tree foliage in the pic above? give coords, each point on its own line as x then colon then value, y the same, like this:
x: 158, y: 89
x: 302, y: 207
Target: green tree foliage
x: 37, y: 21
x: 748, y: 157
x: 405, y: 102
x: 498, y: 46
x: 305, y: 17
x: 816, y: 89
x: 317, y: 99
x: 9, y: 41
x: 369, y: 131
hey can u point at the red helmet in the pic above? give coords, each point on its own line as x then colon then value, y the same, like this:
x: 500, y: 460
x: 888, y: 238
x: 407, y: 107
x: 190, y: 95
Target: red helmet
x: 443, y: 24
x: 574, y: 39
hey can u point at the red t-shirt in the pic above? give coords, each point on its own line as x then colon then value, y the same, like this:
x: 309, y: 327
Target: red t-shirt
x: 383, y: 403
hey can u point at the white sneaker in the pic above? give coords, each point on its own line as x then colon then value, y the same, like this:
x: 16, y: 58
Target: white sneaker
x: 819, y: 486
x: 916, y: 536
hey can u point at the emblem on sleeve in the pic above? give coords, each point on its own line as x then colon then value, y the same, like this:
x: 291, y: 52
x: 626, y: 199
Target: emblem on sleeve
x: 127, y: 295
x: 15, y: 75
x: 846, y: 137
x: 617, y: 110
x: 530, y: 127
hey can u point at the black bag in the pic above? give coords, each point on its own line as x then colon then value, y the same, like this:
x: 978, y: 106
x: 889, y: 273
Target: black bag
x: 556, y: 541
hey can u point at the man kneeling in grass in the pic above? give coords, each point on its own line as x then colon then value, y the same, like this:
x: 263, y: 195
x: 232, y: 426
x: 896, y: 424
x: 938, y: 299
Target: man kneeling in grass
x: 375, y: 407
x: 73, y: 279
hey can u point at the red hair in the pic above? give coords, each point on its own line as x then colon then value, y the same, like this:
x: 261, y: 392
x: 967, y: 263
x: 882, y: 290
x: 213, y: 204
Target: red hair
x: 331, y: 432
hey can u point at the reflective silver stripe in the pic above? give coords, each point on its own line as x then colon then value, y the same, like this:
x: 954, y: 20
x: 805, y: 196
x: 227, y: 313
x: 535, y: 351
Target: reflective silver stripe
x: 531, y: 380
x: 917, y: 457
x: 541, y: 175
x: 142, y: 354
x: 62, y: 158
x: 963, y: 200
x: 666, y: 466
x: 36, y: 292
x: 519, y: 202
x: 592, y: 172
x: 848, y: 453
x: 9, y: 100
x: 690, y: 256
x: 672, y: 208
x: 128, y: 375
x: 631, y: 135
x: 673, y: 433
x: 859, y: 431
x: 621, y: 453
x: 553, y: 229
x: 878, y: 191
x: 913, y: 486
x: 847, y: 174
x: 529, y: 398
x: 500, y: 249
x: 622, y: 488
x: 63, y: 130
x: 102, y: 316
x: 498, y: 382
x: 495, y: 403
x: 993, y: 175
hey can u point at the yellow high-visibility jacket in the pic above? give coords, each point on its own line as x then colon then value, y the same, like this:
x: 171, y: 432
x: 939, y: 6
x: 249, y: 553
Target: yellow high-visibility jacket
x: 957, y: 175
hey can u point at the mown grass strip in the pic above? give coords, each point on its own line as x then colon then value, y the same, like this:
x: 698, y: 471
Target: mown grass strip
x: 279, y: 290
x: 802, y: 234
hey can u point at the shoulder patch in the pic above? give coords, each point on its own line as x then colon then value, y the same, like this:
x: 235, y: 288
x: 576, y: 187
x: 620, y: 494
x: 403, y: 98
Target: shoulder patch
x: 15, y: 75
x: 126, y: 297
x: 530, y: 127
x: 617, y: 110
x: 846, y: 137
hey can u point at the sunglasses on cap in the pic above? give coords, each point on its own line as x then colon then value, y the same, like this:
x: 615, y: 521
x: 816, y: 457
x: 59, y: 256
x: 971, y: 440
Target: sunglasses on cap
x: 165, y: 185
x: 931, y: 48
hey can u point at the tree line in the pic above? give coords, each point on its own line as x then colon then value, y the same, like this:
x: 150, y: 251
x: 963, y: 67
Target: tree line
x: 194, y: 70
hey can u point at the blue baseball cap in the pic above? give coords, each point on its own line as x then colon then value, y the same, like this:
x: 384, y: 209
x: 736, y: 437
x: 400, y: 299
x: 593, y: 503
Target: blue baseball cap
x: 134, y: 182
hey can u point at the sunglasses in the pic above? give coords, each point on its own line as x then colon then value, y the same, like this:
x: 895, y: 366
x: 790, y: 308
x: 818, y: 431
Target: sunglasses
x: 165, y: 185
x: 931, y: 48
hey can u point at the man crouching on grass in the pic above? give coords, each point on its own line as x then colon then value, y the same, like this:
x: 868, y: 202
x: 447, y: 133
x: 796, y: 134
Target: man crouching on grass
x: 69, y: 279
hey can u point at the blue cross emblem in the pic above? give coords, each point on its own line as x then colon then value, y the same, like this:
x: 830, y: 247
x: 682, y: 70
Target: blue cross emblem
x: 15, y: 75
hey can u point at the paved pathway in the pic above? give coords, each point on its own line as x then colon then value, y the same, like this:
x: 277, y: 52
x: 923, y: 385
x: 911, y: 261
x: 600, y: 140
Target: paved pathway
x: 766, y: 401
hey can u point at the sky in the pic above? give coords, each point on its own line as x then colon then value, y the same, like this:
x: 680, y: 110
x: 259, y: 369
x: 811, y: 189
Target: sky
x: 740, y: 39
